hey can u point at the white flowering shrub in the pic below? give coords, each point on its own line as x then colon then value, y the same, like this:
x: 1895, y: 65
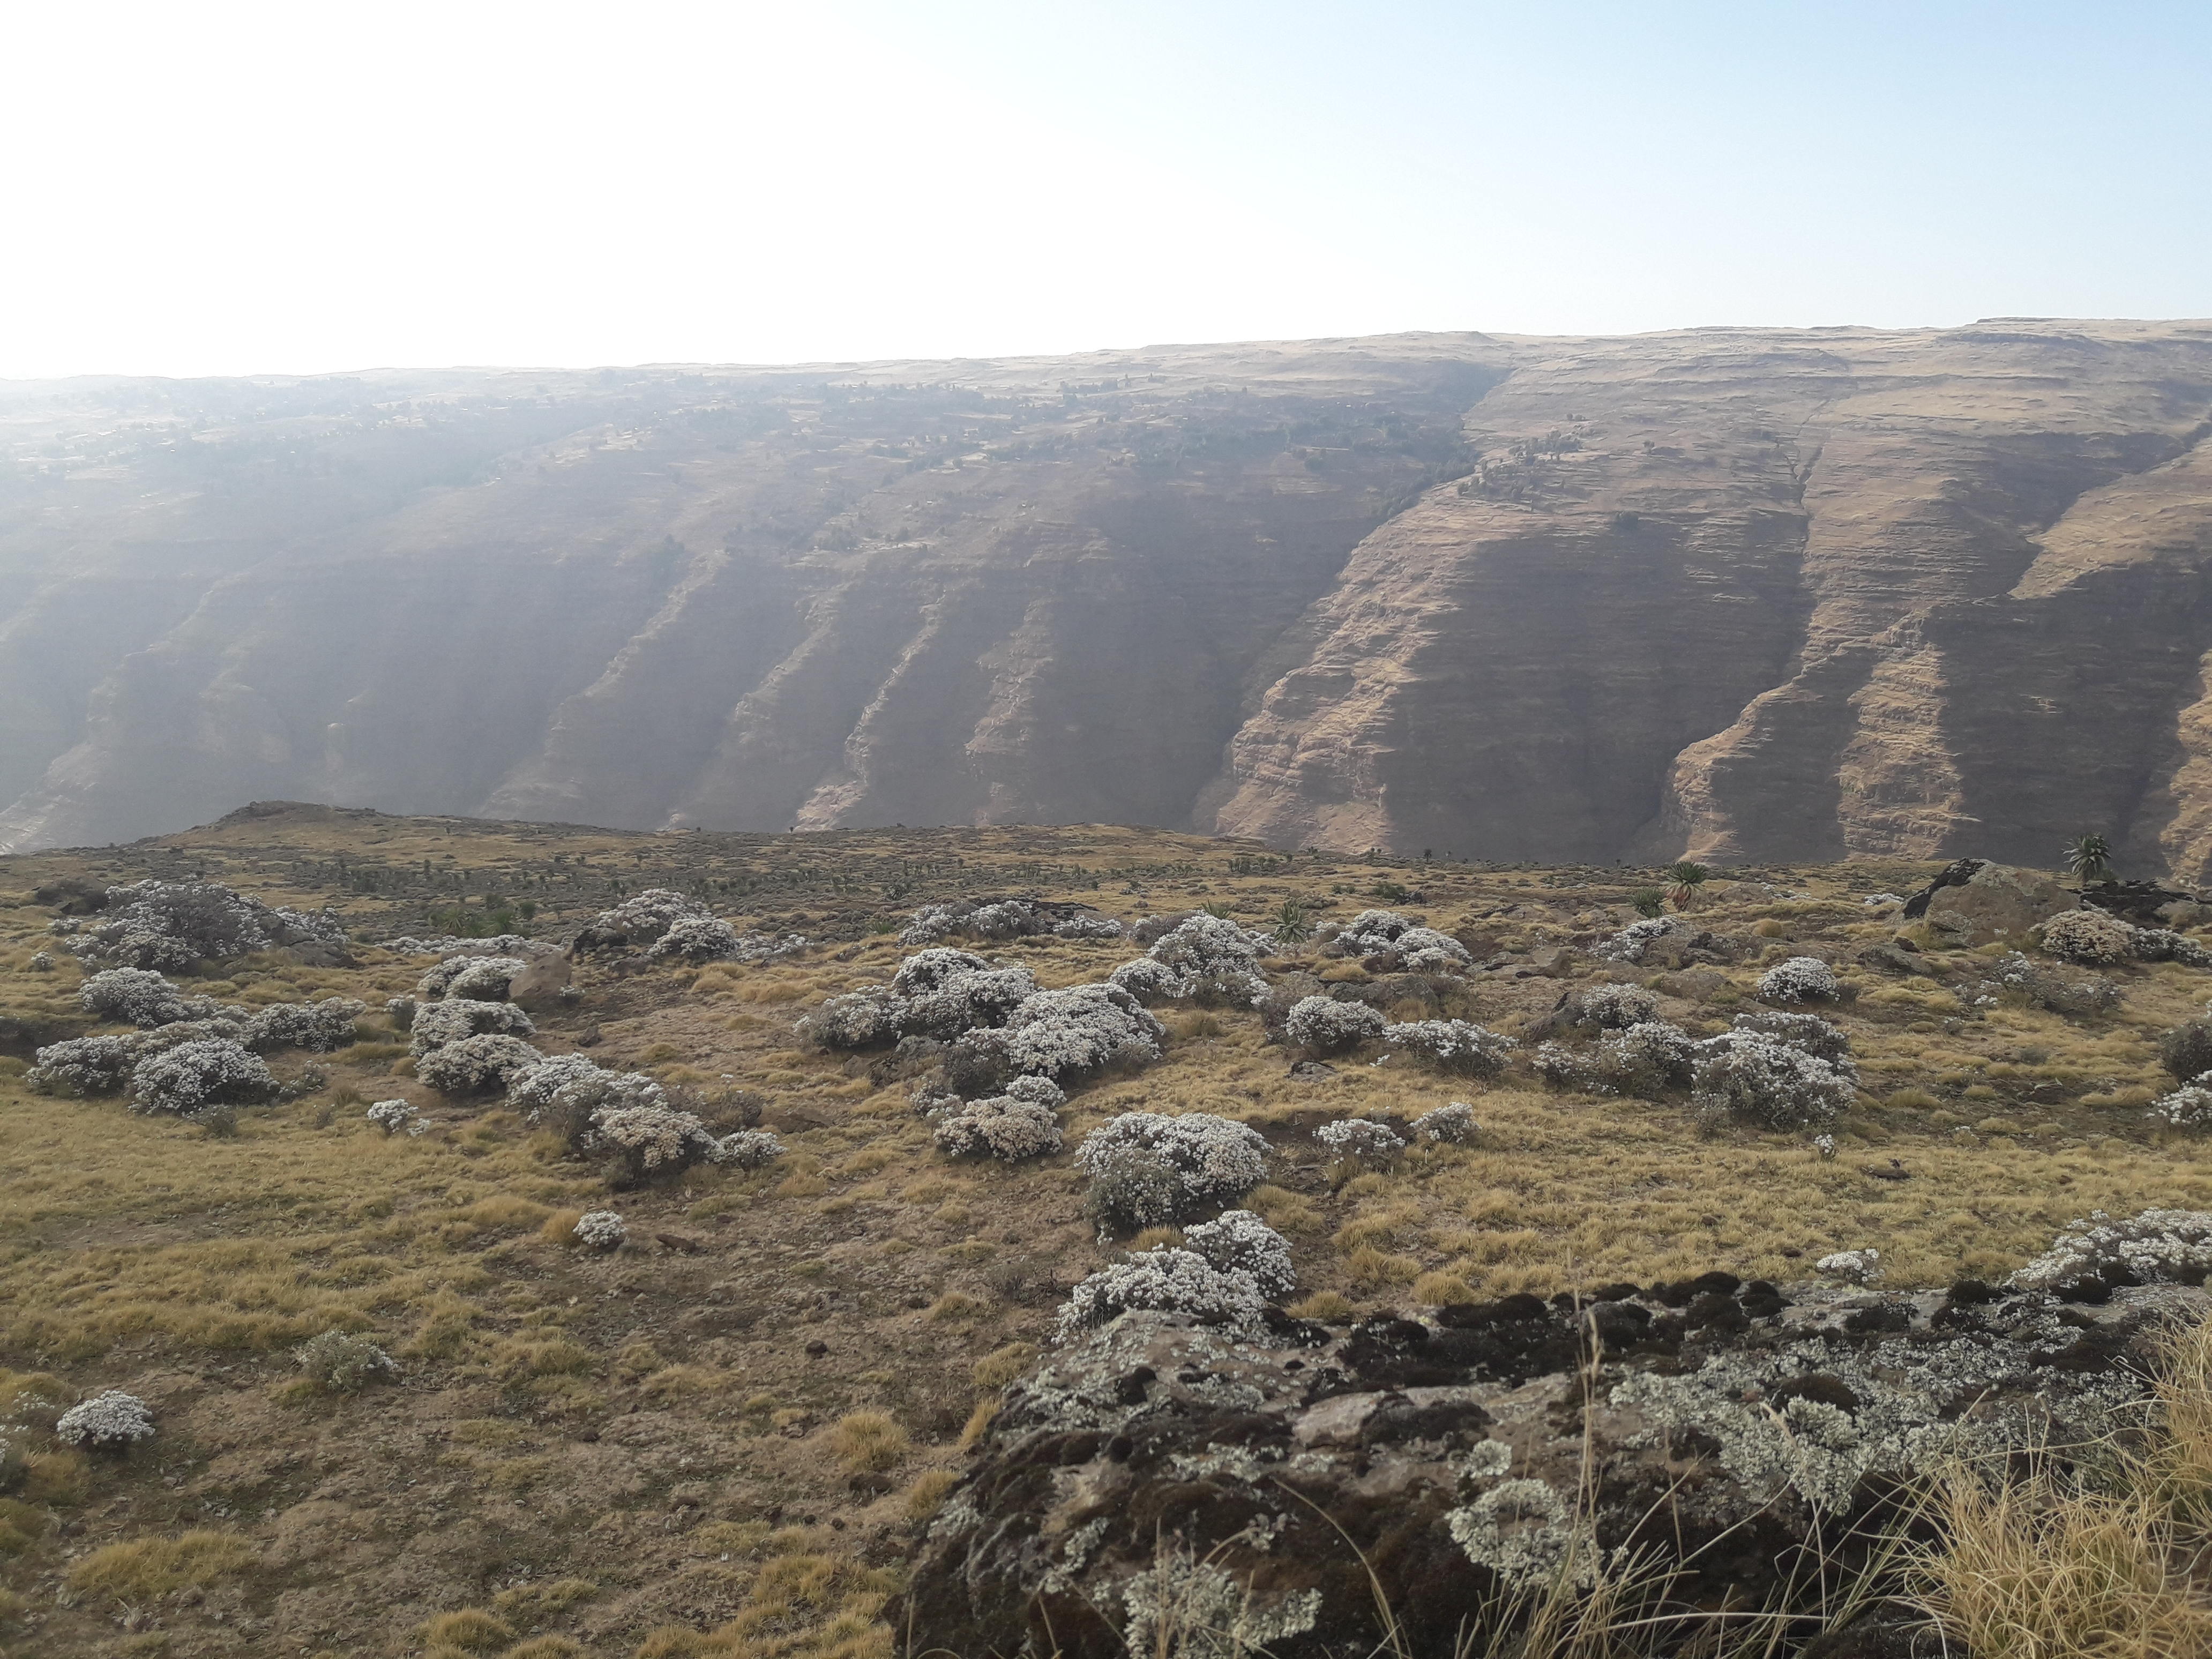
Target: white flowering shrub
x: 1631, y: 941
x: 2154, y: 1248
x: 2163, y: 944
x: 317, y: 1027
x: 1801, y: 979
x: 1189, y: 1165
x: 1218, y: 960
x: 113, y: 1421
x: 650, y: 1136
x: 746, y: 1149
x: 449, y: 944
x: 343, y: 1363
x: 476, y: 1065
x: 392, y: 1116
x: 1325, y: 1026
x: 601, y: 1229
x: 1642, y: 1062
x: 1822, y: 1039
x: 1427, y: 950
x: 1004, y: 919
x: 479, y: 979
x: 138, y: 996
x: 1038, y: 1090
x: 162, y: 1038
x: 1087, y: 926
x: 1851, y: 1267
x: 1166, y: 1281
x: 1150, y: 982
x: 1453, y: 1125
x: 172, y: 924
x: 1367, y: 932
x: 1748, y: 1076
x: 1610, y: 1007
x: 1236, y: 1241
x: 637, y: 920
x: 1825, y: 1145
x: 1405, y: 946
x: 82, y: 1065
x: 401, y: 1009
x: 562, y: 1091
x: 854, y: 1019
x: 1452, y: 1045
x: 696, y: 938
x: 1361, y: 1140
x: 1005, y: 1128
x: 196, y: 1077
x: 2090, y: 936
x: 1065, y: 1033
x: 951, y: 997
x: 436, y: 1024
x: 2188, y: 1107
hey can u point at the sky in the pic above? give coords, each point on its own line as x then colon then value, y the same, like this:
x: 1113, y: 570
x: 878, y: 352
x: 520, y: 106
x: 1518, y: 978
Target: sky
x: 232, y: 189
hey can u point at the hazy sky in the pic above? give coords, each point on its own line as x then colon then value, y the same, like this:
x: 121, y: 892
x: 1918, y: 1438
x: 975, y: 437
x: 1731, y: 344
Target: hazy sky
x: 221, y: 189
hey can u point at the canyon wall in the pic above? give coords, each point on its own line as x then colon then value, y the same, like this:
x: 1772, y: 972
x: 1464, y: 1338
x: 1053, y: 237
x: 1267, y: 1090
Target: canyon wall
x: 1747, y: 594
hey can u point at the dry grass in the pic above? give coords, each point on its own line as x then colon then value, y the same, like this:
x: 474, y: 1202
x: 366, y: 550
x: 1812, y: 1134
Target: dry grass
x: 2053, y: 1566
x: 147, y: 1567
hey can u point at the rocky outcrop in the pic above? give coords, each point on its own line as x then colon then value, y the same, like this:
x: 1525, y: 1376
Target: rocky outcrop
x: 1749, y: 594
x: 1244, y: 1483
x: 1974, y: 901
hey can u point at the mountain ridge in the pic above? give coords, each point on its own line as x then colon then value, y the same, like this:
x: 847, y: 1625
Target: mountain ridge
x: 1738, y: 593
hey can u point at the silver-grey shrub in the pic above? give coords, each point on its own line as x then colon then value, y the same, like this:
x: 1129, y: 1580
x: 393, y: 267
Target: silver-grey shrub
x: 476, y: 1065
x: 140, y: 997
x: 1325, y: 1026
x: 436, y: 1024
x: 1005, y: 1128
x: 1080, y: 1029
x: 82, y: 1065
x: 1166, y: 1281
x: 1799, y: 979
x: 343, y: 1363
x: 1237, y: 1241
x: 1453, y: 1125
x: 113, y: 1421
x: 1360, y: 1139
x: 317, y: 1027
x: 173, y: 925
x: 479, y: 979
x: 1214, y: 1160
x: 1458, y: 1045
x: 1218, y: 961
x: 196, y: 1077
x: 1751, y: 1078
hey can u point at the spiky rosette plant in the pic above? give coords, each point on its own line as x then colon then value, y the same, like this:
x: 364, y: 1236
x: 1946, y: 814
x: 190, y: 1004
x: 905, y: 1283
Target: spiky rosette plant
x: 2089, y: 858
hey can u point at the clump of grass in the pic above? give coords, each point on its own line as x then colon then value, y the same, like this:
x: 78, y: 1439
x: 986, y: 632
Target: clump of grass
x: 868, y: 1442
x: 471, y: 1630
x: 2052, y: 1567
x: 144, y: 1567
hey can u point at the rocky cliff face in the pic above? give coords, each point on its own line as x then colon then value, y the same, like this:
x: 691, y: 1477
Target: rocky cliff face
x: 1740, y: 593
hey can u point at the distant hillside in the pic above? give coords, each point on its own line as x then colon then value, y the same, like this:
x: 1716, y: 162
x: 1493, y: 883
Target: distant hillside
x: 1750, y: 594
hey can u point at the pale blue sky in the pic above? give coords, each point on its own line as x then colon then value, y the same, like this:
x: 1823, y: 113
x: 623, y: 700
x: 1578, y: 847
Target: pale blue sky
x: 232, y: 189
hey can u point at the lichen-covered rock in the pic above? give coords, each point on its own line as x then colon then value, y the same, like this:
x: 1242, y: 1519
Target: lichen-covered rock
x: 1727, y: 1422
x: 1977, y: 903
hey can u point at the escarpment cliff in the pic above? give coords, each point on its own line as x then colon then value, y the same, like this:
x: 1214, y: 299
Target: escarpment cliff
x: 1738, y: 593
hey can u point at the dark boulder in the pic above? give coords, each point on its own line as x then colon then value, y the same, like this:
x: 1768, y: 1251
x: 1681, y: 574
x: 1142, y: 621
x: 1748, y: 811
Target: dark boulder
x: 1252, y: 1478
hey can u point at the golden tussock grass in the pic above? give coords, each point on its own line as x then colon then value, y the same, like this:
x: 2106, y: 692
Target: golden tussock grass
x: 145, y: 1567
x: 868, y: 1441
